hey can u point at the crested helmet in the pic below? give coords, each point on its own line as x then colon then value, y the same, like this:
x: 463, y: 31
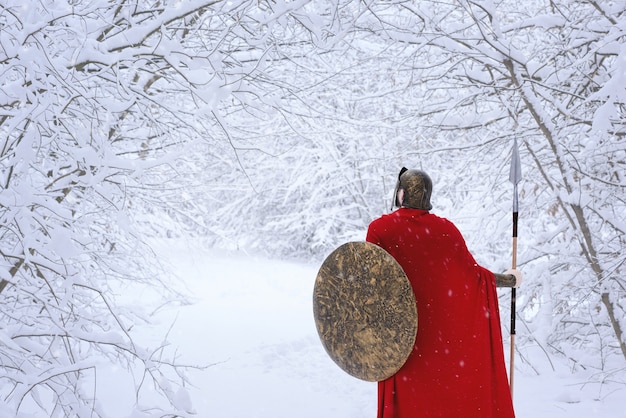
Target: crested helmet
x: 413, y: 190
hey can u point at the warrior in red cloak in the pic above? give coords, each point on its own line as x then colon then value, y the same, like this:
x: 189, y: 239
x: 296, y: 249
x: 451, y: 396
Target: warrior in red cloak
x: 456, y: 368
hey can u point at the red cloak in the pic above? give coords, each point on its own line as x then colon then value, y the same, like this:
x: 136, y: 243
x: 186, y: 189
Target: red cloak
x: 456, y: 368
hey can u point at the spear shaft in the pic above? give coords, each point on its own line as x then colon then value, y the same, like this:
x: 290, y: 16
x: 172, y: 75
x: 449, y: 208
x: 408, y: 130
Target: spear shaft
x: 513, y: 308
x: 514, y: 177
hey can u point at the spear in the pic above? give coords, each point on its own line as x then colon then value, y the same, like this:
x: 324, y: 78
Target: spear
x: 514, y: 177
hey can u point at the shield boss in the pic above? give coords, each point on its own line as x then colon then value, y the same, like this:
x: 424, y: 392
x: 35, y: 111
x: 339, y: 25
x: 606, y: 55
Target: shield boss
x: 365, y: 311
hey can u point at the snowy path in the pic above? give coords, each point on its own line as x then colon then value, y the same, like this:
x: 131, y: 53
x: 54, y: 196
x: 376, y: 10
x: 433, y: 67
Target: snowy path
x: 253, y: 321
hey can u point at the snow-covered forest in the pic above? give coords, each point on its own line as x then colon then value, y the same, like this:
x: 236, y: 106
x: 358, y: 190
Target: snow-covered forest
x: 278, y: 127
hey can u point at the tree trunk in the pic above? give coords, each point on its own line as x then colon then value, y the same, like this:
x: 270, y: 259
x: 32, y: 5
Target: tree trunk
x: 578, y: 221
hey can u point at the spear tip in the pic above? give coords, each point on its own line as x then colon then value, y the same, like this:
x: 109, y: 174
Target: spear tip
x: 515, y: 174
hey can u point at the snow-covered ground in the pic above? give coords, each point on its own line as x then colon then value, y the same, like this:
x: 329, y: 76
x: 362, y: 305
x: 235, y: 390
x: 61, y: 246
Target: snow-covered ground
x: 252, y: 322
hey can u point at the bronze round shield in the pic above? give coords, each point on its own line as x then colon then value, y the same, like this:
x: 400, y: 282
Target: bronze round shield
x: 365, y: 311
